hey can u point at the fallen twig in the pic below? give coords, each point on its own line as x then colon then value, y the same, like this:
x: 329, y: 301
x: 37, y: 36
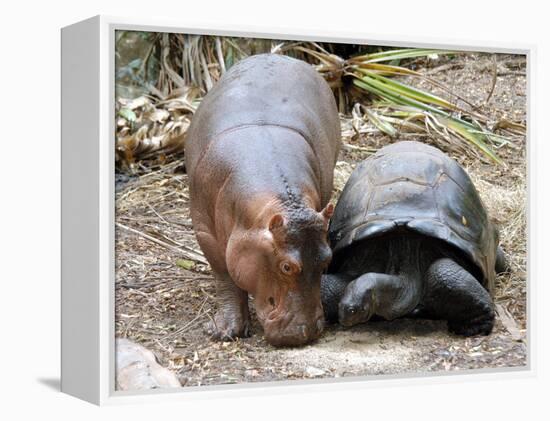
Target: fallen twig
x: 511, y: 73
x: 509, y: 322
x: 444, y: 68
x: 188, y: 254
x: 494, y: 81
x: 357, y: 148
x: 185, y: 327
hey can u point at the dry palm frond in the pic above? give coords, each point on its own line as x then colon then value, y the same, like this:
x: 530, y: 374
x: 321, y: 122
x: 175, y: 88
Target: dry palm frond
x: 405, y: 108
x: 148, y: 127
x: 194, y: 63
x: 154, y: 124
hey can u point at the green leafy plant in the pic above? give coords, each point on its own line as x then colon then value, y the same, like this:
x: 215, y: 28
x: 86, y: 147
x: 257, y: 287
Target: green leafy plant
x: 397, y: 106
x: 438, y: 115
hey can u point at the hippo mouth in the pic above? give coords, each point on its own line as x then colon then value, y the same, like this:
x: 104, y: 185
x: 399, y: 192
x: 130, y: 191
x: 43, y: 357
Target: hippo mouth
x: 286, y: 328
x: 294, y: 333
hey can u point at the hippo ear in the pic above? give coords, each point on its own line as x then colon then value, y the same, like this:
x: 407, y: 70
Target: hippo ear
x: 328, y: 212
x: 276, y: 222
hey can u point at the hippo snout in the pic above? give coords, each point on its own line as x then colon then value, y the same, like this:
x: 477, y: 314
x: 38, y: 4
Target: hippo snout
x: 294, y: 333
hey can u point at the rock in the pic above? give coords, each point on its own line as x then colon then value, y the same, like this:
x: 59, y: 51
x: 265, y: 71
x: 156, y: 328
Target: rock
x: 138, y: 369
x: 314, y: 371
x: 251, y: 373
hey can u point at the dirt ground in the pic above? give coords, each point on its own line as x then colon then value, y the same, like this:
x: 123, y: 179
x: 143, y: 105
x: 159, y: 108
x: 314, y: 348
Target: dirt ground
x: 164, y: 296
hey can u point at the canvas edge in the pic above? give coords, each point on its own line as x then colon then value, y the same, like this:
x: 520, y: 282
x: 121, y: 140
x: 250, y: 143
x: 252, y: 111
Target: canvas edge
x: 80, y: 280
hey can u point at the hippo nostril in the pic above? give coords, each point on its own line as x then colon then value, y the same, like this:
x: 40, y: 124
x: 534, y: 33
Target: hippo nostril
x: 271, y: 301
x: 303, y: 331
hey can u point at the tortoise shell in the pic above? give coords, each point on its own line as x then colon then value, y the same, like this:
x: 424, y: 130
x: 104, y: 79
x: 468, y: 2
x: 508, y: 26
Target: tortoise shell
x: 416, y: 187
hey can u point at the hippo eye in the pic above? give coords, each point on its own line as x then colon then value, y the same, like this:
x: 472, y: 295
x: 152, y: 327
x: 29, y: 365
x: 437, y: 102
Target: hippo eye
x: 286, y: 268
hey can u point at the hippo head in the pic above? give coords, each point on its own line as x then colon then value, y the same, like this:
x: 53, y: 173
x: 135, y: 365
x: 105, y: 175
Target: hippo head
x: 281, y: 264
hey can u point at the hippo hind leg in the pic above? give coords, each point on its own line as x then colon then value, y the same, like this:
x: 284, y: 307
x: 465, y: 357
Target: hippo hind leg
x: 232, y: 320
x: 454, y: 294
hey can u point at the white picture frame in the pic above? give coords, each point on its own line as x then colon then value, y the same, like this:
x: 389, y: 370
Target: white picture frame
x: 88, y: 368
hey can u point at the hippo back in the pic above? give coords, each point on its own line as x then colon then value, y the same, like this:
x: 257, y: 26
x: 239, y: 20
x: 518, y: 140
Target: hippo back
x: 272, y: 90
x: 415, y: 187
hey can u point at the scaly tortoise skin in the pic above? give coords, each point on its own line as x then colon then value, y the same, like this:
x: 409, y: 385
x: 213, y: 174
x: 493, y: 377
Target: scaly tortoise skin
x: 411, y: 236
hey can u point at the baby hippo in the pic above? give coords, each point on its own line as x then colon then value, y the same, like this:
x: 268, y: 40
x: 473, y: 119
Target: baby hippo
x: 260, y: 155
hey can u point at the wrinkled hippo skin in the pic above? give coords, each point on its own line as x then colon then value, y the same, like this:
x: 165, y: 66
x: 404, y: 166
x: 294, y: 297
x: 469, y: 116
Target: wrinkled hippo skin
x: 260, y: 155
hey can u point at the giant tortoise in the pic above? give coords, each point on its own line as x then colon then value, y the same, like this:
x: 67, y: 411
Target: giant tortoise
x: 411, y: 237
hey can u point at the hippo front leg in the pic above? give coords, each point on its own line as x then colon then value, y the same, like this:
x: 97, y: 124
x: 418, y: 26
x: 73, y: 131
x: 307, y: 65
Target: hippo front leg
x: 232, y: 320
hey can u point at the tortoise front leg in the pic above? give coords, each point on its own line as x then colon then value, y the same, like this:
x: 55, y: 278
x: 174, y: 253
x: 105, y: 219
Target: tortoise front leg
x: 332, y: 289
x: 388, y: 296
x: 454, y: 294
